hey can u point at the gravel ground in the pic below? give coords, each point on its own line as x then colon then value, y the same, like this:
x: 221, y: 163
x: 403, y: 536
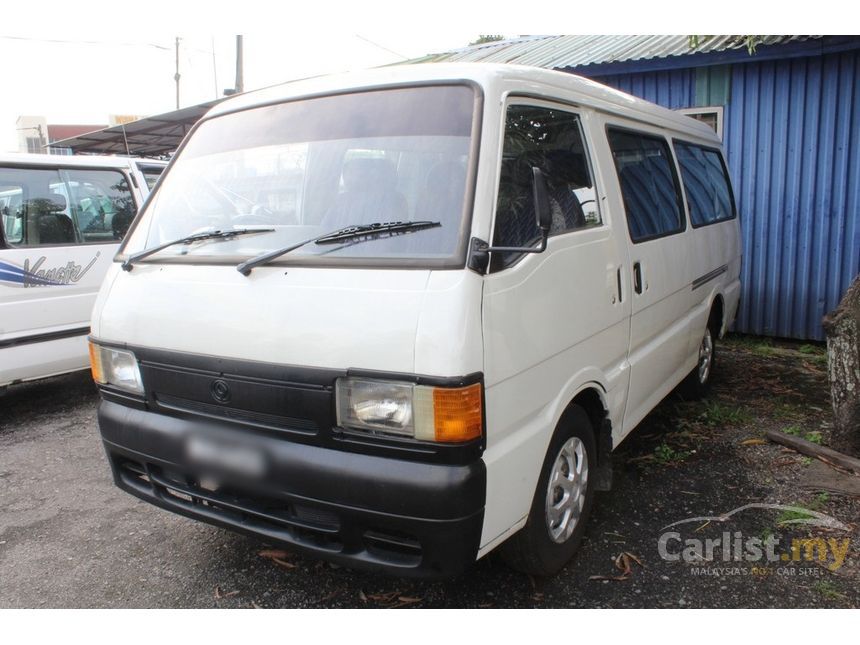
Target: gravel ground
x: 69, y: 538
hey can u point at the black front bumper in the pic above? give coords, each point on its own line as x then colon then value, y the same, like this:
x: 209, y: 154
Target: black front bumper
x: 402, y: 517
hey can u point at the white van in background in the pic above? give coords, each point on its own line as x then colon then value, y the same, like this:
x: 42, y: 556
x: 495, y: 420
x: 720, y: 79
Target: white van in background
x: 400, y: 318
x: 61, y: 221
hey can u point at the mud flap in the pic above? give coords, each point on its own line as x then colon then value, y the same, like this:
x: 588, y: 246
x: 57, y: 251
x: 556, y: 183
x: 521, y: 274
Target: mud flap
x: 603, y: 472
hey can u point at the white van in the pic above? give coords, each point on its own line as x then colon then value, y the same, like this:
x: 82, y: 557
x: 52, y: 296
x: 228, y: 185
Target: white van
x: 400, y: 318
x: 61, y: 222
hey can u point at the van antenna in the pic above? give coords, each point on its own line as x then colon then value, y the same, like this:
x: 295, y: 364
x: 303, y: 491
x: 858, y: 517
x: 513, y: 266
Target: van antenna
x: 125, y: 139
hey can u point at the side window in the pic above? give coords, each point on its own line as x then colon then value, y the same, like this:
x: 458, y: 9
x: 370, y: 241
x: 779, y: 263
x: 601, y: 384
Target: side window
x: 706, y: 184
x: 101, y: 202
x: 151, y: 175
x: 11, y: 212
x: 35, y: 208
x: 551, y: 140
x: 649, y: 186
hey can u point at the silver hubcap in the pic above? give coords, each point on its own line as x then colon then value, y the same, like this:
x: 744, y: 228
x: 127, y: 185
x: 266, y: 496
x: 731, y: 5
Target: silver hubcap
x: 706, y: 353
x: 565, y: 493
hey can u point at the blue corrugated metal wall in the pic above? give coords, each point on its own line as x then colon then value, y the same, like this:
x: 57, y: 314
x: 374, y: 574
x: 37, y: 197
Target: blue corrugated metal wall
x: 792, y: 137
x: 673, y: 89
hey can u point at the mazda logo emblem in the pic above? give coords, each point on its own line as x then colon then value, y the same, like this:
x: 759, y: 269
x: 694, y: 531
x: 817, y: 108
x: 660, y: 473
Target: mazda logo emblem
x: 220, y: 391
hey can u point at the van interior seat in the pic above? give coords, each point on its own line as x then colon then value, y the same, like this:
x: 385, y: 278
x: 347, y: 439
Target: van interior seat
x: 566, y: 171
x: 517, y: 224
x: 370, y: 195
x: 53, y: 225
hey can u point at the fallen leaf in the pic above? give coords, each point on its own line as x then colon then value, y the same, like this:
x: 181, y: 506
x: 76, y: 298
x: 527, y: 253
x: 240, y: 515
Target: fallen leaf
x: 634, y: 558
x: 387, y: 596
x: 278, y: 557
x: 361, y: 596
x: 624, y: 563
x: 273, y: 553
x: 219, y: 594
x: 284, y: 563
x: 331, y: 596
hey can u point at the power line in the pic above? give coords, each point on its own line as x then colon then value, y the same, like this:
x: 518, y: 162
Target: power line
x: 382, y: 47
x: 85, y: 42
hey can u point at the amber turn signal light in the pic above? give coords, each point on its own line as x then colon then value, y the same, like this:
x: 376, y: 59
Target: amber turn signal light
x: 457, y: 413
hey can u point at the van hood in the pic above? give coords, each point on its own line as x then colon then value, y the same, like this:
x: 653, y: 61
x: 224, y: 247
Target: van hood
x: 319, y: 317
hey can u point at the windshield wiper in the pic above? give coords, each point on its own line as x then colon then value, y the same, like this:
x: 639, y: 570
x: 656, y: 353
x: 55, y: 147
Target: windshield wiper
x: 358, y: 233
x: 128, y: 265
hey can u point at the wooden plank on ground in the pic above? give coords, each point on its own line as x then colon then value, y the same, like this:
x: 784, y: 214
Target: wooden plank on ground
x: 819, y: 476
x: 823, y: 453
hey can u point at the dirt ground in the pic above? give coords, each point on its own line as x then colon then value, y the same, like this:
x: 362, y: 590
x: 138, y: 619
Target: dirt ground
x: 69, y: 538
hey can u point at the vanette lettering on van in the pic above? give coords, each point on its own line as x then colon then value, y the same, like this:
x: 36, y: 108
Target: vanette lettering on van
x: 61, y: 221
x: 37, y: 276
x: 400, y: 319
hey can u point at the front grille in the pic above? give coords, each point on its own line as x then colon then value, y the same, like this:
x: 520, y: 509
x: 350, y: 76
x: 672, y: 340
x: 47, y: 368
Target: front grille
x: 276, y: 422
x: 276, y: 402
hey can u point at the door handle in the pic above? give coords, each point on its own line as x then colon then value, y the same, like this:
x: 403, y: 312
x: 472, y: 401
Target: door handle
x: 637, y: 277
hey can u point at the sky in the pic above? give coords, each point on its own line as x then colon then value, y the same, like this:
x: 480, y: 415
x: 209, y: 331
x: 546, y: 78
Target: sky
x: 84, y: 80
x: 81, y: 61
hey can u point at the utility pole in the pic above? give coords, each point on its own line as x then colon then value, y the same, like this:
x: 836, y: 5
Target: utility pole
x: 240, y: 76
x: 214, y: 68
x: 176, y: 75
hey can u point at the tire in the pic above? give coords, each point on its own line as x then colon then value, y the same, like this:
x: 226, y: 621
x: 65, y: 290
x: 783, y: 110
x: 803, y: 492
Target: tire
x: 546, y: 543
x: 697, y: 383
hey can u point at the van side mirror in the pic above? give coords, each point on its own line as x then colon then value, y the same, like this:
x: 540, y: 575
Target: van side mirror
x: 543, y: 211
x: 479, y: 250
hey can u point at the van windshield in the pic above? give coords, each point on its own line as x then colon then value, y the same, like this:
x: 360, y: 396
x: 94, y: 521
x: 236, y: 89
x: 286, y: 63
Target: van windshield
x: 307, y: 167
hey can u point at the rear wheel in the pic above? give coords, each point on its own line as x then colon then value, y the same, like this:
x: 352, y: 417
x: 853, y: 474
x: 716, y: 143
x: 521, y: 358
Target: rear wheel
x: 697, y: 383
x: 562, y: 501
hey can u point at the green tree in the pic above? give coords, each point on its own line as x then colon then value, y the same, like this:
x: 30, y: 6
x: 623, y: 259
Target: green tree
x: 751, y: 42
x: 489, y: 38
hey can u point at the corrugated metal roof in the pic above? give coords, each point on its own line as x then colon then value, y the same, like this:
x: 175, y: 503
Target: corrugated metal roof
x: 558, y: 52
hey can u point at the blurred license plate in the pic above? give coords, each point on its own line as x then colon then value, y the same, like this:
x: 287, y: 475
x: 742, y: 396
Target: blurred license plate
x: 228, y: 458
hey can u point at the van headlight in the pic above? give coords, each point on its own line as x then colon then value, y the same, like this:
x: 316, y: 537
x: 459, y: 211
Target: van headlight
x: 422, y: 412
x: 115, y: 367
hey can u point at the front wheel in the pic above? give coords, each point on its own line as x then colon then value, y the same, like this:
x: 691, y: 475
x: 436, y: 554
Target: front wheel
x: 562, y: 501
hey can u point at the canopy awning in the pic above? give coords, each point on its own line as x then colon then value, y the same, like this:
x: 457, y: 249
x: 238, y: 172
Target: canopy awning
x: 150, y: 137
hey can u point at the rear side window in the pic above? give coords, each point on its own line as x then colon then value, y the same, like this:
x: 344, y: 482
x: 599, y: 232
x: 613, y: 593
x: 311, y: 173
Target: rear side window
x: 649, y: 187
x: 35, y: 209
x: 49, y: 206
x: 151, y: 174
x: 706, y: 184
x: 101, y: 202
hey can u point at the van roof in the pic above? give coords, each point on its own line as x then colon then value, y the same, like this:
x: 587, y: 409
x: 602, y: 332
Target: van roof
x: 493, y: 78
x: 88, y: 161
